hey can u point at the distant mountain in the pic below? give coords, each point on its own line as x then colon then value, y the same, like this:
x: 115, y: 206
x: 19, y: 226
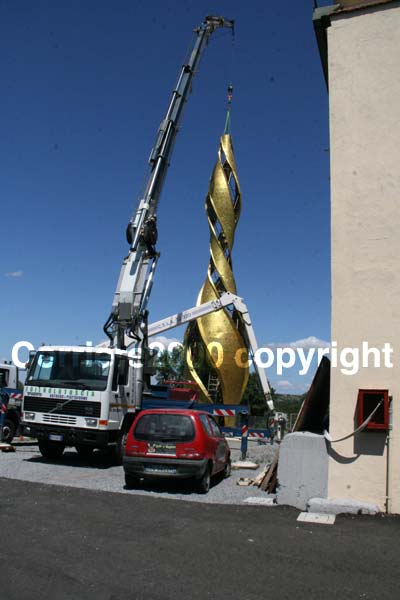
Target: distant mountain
x: 288, y: 403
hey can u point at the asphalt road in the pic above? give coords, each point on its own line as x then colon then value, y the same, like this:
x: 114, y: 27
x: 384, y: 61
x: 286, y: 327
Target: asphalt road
x: 69, y: 543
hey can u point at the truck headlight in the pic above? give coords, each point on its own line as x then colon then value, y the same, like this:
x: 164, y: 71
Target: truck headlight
x: 29, y: 416
x: 91, y: 422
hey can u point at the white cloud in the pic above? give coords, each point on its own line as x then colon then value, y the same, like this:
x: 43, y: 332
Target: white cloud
x: 14, y: 274
x: 305, y: 343
x: 284, y: 384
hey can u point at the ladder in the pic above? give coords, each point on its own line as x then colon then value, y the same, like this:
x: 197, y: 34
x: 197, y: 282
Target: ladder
x: 213, y: 386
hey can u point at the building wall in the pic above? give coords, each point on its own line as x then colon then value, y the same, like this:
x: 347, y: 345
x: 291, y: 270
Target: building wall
x: 364, y: 91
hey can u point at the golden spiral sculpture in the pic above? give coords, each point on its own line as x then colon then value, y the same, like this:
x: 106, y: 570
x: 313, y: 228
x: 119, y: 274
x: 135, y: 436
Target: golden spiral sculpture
x: 220, y: 378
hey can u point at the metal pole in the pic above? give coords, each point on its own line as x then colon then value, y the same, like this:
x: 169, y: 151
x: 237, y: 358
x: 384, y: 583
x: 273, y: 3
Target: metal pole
x: 3, y: 412
x: 388, y: 461
x: 245, y: 434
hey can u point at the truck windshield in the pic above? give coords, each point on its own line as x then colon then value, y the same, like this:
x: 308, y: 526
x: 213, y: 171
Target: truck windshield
x: 77, y: 370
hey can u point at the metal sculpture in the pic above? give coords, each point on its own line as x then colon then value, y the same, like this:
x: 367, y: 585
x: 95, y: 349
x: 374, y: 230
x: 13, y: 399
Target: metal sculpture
x: 215, y: 346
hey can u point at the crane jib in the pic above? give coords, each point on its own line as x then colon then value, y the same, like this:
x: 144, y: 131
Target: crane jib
x: 137, y: 270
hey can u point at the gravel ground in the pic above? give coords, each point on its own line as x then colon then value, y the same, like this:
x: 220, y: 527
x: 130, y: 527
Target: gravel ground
x: 97, y: 473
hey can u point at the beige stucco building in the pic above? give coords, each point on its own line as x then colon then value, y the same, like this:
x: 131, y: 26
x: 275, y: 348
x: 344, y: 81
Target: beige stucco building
x: 359, y: 43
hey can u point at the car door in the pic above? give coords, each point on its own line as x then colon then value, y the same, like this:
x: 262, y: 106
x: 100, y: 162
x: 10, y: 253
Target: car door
x: 210, y: 441
x: 220, y: 445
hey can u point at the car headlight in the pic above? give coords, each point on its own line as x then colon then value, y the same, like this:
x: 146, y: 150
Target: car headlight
x: 91, y: 422
x: 29, y: 416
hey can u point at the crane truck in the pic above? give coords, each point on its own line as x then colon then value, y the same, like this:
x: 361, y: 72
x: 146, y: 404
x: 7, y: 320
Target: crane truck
x: 87, y: 397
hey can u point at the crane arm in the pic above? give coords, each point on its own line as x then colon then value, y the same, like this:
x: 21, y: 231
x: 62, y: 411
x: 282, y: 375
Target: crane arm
x: 225, y: 300
x: 137, y: 271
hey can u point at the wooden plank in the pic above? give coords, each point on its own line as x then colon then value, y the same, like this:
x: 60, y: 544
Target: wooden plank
x: 245, y: 464
x: 260, y: 476
x: 270, y: 473
x: 244, y: 481
x: 6, y: 447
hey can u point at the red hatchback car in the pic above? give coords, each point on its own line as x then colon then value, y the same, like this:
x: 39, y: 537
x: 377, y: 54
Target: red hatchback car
x: 175, y: 443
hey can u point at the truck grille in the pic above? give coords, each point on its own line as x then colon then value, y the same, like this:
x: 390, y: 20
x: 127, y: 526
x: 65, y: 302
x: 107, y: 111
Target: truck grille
x: 59, y: 419
x: 79, y: 408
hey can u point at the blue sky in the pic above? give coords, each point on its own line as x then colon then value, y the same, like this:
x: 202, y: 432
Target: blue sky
x: 84, y: 87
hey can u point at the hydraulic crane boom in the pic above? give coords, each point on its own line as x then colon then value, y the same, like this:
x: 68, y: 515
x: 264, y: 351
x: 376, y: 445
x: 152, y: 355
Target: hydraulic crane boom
x: 225, y: 300
x: 128, y: 314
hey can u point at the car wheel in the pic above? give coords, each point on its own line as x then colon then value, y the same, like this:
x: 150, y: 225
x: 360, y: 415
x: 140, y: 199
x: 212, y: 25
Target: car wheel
x: 203, y: 485
x: 50, y: 449
x: 8, y: 431
x: 228, y: 468
x: 84, y: 451
x: 131, y: 481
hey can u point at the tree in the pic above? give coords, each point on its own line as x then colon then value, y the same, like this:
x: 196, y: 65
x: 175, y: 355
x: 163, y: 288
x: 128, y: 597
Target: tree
x: 289, y: 403
x: 171, y: 365
x: 253, y: 395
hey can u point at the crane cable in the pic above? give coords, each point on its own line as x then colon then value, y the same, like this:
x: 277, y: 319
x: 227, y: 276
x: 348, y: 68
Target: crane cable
x: 227, y: 128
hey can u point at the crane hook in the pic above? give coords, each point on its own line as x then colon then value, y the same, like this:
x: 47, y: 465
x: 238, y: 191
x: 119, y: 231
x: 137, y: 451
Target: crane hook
x: 228, y: 114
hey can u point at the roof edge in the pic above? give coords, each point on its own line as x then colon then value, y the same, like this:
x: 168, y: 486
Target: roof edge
x: 322, y: 20
x: 363, y: 4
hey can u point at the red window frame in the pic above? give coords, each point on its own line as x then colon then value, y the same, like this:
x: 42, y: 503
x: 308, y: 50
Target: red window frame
x: 380, y: 421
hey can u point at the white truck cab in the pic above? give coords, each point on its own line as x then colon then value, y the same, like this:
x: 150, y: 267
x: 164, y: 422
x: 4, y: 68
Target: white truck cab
x: 8, y: 376
x: 10, y: 388
x: 78, y: 396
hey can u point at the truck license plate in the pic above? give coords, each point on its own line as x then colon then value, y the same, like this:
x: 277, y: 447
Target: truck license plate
x: 55, y: 437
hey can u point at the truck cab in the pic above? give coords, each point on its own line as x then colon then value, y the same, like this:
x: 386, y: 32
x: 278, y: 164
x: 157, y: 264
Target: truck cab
x: 78, y: 396
x: 11, y: 389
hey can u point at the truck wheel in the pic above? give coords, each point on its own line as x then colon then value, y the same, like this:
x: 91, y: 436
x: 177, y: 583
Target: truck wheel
x: 8, y: 431
x: 131, y: 481
x: 118, y: 449
x: 84, y: 451
x: 50, y: 449
x: 203, y: 485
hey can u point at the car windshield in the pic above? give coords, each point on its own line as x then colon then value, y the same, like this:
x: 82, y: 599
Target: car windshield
x: 164, y: 427
x: 76, y: 370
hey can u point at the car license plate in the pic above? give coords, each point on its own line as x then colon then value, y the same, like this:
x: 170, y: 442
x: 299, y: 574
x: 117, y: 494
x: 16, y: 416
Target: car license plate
x: 55, y: 437
x: 159, y: 469
x: 161, y: 448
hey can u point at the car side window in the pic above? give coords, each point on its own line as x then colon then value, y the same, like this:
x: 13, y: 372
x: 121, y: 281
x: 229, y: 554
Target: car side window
x: 214, y: 428
x: 206, y: 425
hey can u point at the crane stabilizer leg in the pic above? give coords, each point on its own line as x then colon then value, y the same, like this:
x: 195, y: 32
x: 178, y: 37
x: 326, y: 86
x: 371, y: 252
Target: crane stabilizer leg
x: 135, y: 279
x: 242, y: 309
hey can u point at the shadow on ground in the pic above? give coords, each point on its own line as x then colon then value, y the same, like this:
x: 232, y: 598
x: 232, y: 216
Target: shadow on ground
x: 170, y: 486
x: 99, y: 460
